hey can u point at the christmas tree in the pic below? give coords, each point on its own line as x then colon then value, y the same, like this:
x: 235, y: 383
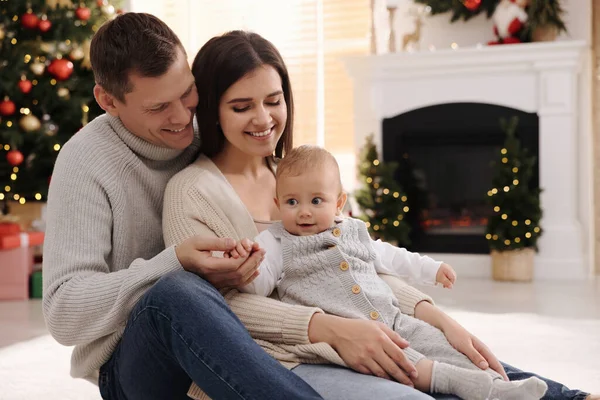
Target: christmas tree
x: 381, y: 199
x: 515, y: 223
x: 46, y: 87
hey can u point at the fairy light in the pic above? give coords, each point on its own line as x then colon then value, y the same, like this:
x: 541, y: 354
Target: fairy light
x: 6, y: 147
x: 396, y: 195
x: 527, y: 222
x: 1, y: 196
x: 516, y: 182
x: 506, y: 189
x: 504, y: 216
x: 22, y: 200
x: 375, y: 162
x: 386, y: 191
x: 396, y: 223
x: 405, y: 209
x: 9, y: 124
x: 497, y: 209
x: 13, y: 177
x: 404, y: 198
x: 375, y: 227
x: 488, y: 236
x: 16, y: 197
x: 38, y: 196
x: 369, y: 180
x: 57, y: 147
x: 504, y: 160
x: 7, y: 188
x: 528, y: 235
x: 515, y: 223
x: 503, y: 151
x: 385, y: 221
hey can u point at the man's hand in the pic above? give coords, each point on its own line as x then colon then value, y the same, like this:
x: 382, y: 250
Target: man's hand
x: 368, y: 347
x: 195, y: 255
x: 446, y: 276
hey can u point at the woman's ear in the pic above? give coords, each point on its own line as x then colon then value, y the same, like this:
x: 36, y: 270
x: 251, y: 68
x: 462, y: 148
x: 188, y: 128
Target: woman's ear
x: 341, y: 202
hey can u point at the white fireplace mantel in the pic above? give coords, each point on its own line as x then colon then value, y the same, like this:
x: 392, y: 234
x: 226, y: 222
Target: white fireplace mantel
x: 540, y: 78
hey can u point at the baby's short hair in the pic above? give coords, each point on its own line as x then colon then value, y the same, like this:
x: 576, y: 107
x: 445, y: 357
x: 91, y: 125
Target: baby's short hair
x: 306, y: 158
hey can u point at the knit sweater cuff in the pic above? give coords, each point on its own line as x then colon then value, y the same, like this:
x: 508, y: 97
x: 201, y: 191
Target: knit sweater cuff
x: 409, y: 298
x: 271, y: 320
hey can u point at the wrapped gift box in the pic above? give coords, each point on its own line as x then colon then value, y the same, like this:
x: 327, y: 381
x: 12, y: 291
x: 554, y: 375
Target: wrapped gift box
x: 16, y: 261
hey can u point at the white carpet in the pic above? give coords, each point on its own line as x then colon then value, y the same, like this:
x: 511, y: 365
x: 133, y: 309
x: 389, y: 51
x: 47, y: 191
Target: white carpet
x: 563, y: 349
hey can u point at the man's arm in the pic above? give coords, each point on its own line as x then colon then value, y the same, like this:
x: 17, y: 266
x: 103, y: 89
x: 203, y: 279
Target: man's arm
x: 83, y: 299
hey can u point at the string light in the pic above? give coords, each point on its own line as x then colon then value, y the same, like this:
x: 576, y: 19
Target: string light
x: 13, y: 177
x: 404, y: 198
x: 504, y: 160
x: 376, y: 185
x: 375, y: 227
x: 506, y: 189
x: 386, y: 191
x: 22, y: 200
x: 1, y: 196
x: 9, y: 124
x: 495, y: 191
x: 528, y: 235
x: 504, y: 216
x: 515, y: 223
x: 38, y: 196
x: 7, y: 188
x: 536, y: 229
x: 516, y: 182
x: 497, y: 209
x: 527, y: 222
x: 405, y: 209
x: 27, y: 58
x: 375, y: 162
x: 517, y: 240
x: 396, y: 223
x: 368, y: 224
x: 385, y: 220
x: 495, y: 237
x: 503, y: 151
x: 488, y: 236
x: 369, y: 180
x: 396, y: 195
x: 16, y: 197
x: 57, y: 147
x: 507, y: 242
x: 6, y: 147
x: 515, y: 170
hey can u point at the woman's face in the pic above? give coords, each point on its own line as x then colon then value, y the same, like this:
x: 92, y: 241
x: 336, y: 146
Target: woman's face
x: 253, y: 113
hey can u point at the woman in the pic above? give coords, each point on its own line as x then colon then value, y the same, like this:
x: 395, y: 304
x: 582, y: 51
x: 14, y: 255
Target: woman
x: 245, y: 119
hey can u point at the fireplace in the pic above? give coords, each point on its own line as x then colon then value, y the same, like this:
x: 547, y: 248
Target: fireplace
x: 540, y: 82
x: 444, y: 153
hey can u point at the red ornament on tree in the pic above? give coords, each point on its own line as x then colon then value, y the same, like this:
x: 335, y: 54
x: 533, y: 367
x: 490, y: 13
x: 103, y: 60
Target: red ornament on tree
x: 25, y: 85
x: 44, y: 25
x: 7, y: 107
x: 61, y: 69
x: 29, y: 20
x: 472, y: 5
x: 14, y: 157
x: 83, y: 13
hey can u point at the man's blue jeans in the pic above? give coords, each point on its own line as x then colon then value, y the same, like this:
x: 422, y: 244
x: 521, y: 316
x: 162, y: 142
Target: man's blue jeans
x: 182, y: 330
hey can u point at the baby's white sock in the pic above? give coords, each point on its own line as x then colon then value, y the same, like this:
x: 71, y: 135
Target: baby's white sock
x: 479, y: 385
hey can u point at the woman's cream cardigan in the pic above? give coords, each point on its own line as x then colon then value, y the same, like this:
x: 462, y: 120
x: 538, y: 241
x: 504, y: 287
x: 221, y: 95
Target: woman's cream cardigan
x: 200, y: 201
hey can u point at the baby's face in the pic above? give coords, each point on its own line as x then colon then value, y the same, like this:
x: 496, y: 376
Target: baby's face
x: 309, y: 203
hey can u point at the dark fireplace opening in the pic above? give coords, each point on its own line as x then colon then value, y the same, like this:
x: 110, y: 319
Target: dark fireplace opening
x: 444, y: 154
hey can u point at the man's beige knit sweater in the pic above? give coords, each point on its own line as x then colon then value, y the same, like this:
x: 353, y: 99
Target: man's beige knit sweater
x: 200, y: 201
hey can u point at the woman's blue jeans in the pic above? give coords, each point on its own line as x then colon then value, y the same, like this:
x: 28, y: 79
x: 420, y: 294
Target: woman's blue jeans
x: 182, y: 329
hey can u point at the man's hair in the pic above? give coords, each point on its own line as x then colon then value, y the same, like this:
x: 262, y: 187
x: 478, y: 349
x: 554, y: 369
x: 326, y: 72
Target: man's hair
x: 220, y: 63
x: 131, y: 43
x: 307, y: 159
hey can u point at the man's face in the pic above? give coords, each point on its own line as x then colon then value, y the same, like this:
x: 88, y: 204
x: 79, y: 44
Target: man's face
x: 160, y: 110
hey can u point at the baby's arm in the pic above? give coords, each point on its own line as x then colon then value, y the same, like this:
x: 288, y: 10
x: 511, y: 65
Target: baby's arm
x: 401, y: 262
x: 271, y: 267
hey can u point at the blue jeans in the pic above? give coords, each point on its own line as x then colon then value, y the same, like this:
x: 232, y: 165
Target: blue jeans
x: 182, y: 330
x: 333, y: 383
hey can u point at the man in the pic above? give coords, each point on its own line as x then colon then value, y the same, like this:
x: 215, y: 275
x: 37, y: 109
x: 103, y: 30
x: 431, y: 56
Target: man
x: 143, y: 323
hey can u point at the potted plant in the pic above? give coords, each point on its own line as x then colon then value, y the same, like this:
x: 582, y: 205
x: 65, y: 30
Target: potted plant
x: 514, y: 228
x: 544, y: 21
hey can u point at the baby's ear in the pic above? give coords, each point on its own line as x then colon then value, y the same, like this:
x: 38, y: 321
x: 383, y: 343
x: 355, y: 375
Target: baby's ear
x: 276, y: 201
x: 341, y: 202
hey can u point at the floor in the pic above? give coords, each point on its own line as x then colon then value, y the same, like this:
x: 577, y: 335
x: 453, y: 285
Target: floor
x: 550, y: 328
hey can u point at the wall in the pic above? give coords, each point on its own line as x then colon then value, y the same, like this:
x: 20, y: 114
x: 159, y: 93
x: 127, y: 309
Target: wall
x: 439, y: 32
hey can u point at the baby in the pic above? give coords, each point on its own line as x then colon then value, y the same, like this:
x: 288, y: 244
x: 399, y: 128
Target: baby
x: 315, y: 257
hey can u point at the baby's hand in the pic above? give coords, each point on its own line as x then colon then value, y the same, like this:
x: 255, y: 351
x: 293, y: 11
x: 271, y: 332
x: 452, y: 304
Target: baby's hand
x: 446, y: 276
x: 243, y: 249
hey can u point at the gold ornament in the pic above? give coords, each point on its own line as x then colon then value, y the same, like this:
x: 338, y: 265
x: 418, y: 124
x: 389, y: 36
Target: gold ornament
x: 37, y: 68
x: 30, y: 123
x: 63, y: 3
x: 86, y: 63
x: 77, y: 54
x: 48, y: 47
x: 63, y: 92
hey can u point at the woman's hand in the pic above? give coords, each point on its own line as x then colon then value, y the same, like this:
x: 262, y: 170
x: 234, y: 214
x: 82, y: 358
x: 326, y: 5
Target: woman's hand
x: 195, y: 255
x: 459, y: 337
x: 368, y: 347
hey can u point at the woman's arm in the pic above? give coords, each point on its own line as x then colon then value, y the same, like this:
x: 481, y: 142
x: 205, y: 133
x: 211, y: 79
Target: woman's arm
x: 459, y: 337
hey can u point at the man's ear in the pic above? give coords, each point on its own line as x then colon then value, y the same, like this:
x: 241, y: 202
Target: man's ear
x: 341, y: 202
x: 105, y: 100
